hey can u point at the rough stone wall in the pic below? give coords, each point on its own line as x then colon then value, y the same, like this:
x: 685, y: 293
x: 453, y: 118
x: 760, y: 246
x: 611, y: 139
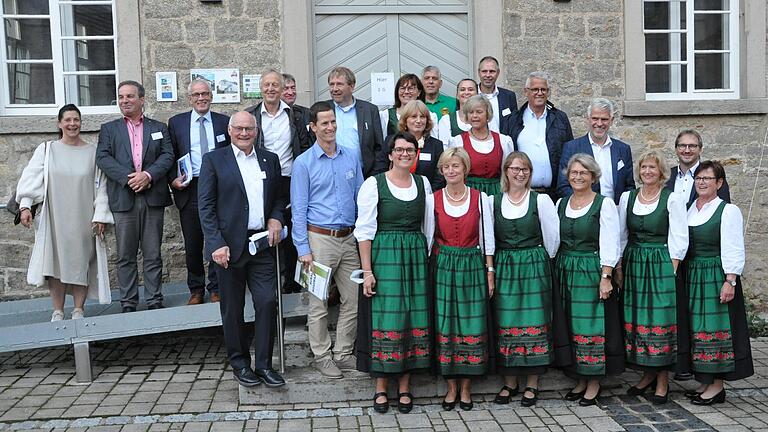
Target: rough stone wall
x: 580, y: 44
x: 176, y: 35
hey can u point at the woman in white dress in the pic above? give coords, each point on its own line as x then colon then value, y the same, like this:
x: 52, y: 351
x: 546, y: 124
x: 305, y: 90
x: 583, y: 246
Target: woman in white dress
x: 69, y: 255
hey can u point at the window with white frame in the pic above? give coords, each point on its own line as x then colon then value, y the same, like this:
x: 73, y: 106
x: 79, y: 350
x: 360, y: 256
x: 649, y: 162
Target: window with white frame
x: 691, y: 49
x: 58, y: 52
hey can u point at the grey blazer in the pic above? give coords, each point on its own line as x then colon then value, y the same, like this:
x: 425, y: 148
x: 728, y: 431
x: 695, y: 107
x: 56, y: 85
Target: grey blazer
x: 369, y: 132
x: 113, y: 156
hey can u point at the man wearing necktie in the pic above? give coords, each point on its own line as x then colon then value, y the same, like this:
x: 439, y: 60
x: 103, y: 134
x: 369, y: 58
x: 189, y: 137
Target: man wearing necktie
x: 195, y: 132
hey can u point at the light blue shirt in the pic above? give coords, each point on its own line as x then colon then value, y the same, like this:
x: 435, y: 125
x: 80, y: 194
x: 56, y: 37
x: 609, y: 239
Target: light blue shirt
x: 194, y: 139
x: 323, y: 192
x: 346, y: 128
x: 533, y: 142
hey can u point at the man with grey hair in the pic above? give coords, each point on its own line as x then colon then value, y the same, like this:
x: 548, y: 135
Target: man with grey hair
x: 540, y: 129
x: 436, y: 102
x: 195, y: 133
x: 289, y: 97
x: 613, y: 156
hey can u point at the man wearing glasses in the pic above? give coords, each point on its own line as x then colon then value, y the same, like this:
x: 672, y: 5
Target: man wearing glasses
x: 195, y: 133
x: 540, y: 130
x: 688, y: 145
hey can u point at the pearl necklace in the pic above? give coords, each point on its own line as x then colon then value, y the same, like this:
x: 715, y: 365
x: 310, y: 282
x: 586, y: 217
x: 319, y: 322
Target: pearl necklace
x: 649, y: 200
x: 516, y: 203
x: 461, y: 198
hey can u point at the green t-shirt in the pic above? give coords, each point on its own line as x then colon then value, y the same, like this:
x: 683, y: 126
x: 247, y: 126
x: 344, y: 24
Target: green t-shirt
x: 442, y: 106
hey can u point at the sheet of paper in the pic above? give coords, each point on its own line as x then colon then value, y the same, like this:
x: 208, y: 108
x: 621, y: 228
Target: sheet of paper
x: 184, y: 166
x: 383, y: 88
x: 315, y: 281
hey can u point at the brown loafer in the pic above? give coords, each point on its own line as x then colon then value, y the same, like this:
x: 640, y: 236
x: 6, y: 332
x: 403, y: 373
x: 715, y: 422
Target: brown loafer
x: 196, y: 298
x: 214, y: 297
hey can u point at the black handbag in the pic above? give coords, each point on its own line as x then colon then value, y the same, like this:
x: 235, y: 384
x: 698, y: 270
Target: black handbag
x: 13, y: 208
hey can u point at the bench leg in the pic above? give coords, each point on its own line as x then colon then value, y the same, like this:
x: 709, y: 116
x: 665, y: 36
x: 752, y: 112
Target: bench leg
x: 83, y: 372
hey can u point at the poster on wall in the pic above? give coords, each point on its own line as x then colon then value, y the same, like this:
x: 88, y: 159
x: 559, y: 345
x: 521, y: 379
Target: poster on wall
x: 383, y: 88
x: 224, y: 82
x: 251, y: 86
x: 165, y: 83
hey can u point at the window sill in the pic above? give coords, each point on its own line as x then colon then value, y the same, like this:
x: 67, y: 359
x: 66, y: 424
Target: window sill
x: 47, y: 124
x: 643, y: 108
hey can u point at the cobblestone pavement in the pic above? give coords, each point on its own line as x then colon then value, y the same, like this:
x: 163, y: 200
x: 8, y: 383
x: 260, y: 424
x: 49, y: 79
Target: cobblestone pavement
x: 178, y: 382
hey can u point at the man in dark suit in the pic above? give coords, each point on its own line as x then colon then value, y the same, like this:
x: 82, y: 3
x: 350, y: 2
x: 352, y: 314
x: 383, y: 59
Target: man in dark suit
x: 135, y: 153
x: 357, y: 121
x: 195, y: 133
x: 503, y: 101
x: 688, y: 146
x: 239, y: 196
x: 613, y: 156
x: 300, y: 113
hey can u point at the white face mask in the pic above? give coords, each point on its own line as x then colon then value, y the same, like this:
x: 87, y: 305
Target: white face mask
x: 357, y: 276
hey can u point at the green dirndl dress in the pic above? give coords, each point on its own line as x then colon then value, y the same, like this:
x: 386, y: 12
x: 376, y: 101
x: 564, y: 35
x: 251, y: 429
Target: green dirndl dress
x: 720, y: 347
x: 650, y: 311
x: 522, y: 300
x: 594, y: 326
x: 461, y: 292
x: 398, y: 315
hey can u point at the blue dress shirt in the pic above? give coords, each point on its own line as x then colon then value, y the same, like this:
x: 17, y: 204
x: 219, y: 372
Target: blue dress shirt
x: 346, y: 128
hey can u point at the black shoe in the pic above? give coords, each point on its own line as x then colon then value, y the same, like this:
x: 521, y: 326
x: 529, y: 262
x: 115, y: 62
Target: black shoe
x: 448, y: 406
x: 383, y: 407
x: 404, y: 408
x: 155, y: 306
x: 718, y: 398
x: 245, y: 377
x: 270, y: 377
x: 127, y: 309
x: 692, y: 394
x: 589, y: 402
x: 637, y: 391
x: 527, y: 402
x: 503, y: 400
x: 466, y: 406
x: 574, y: 396
x: 685, y: 376
x: 659, y: 400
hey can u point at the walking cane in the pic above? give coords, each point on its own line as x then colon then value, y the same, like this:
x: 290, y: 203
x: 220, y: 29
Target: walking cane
x: 280, y: 335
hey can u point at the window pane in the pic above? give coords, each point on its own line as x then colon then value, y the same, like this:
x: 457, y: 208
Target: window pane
x: 710, y: 32
x: 25, y: 7
x: 88, y: 55
x: 664, y: 15
x: 711, y: 4
x: 90, y: 89
x: 665, y: 78
x: 712, y: 71
x: 28, y: 39
x: 31, y: 83
x: 665, y: 47
x: 86, y: 20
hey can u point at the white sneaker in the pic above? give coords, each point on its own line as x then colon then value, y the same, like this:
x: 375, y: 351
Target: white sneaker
x: 57, y: 315
x: 77, y: 313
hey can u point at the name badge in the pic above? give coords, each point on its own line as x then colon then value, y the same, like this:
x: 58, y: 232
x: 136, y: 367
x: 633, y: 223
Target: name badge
x: 157, y: 135
x: 425, y: 156
x: 350, y: 175
x: 262, y: 175
x: 505, y: 112
x: 620, y: 165
x: 220, y: 138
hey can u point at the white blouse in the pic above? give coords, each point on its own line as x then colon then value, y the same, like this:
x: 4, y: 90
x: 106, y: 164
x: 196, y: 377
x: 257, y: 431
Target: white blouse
x: 384, y: 117
x: 486, y: 235
x: 485, y: 146
x: 548, y: 219
x: 609, y: 230
x: 444, y: 129
x: 732, y: 251
x: 677, y: 238
x: 367, y: 208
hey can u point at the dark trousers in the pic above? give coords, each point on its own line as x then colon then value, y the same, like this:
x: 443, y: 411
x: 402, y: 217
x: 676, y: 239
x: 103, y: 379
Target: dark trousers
x: 258, y: 273
x: 193, y: 245
x: 288, y: 254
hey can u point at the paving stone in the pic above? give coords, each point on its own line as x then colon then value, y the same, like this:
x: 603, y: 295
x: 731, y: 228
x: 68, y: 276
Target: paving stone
x: 85, y: 422
x: 412, y: 421
x: 27, y: 425
x: 602, y: 424
x: 475, y: 415
x: 715, y: 419
x: 485, y: 426
x: 324, y: 422
x: 323, y: 412
x: 567, y: 420
x: 295, y: 414
x: 177, y: 418
x: 166, y: 408
x: 295, y: 425
x: 532, y: 421
x: 197, y: 427
x: 146, y: 419
x: 227, y: 426
x: 235, y: 415
x: 265, y: 415
x: 55, y: 424
x: 207, y: 417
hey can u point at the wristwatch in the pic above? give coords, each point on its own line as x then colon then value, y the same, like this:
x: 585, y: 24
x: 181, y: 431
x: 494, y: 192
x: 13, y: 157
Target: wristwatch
x: 490, y: 269
x: 606, y: 276
x: 731, y: 282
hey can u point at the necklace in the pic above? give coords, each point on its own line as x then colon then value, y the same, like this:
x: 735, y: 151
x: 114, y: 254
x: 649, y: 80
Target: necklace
x: 649, y: 200
x: 516, y: 203
x: 472, y: 132
x: 579, y: 207
x: 461, y: 198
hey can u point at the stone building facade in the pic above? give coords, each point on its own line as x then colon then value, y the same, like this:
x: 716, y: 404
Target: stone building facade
x: 589, y: 47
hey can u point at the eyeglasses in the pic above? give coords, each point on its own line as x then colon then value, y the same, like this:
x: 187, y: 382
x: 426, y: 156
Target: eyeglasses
x: 704, y: 179
x: 199, y: 95
x: 687, y: 146
x: 408, y: 89
x: 538, y: 90
x: 239, y: 129
x: 579, y: 173
x: 518, y: 170
x: 400, y: 150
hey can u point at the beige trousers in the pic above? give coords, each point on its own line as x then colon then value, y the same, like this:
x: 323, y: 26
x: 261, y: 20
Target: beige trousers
x: 342, y: 256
